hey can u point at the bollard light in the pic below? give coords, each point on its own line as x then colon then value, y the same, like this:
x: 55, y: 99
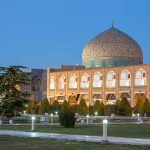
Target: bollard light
x: 56, y: 113
x: 96, y: 113
x: 32, y: 127
x: 138, y: 117
x: 87, y: 119
x: 51, y: 118
x: 105, y: 122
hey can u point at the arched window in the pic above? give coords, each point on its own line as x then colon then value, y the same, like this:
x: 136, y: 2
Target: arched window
x: 97, y: 80
x: 52, y: 83
x: 140, y: 77
x: 111, y: 79
x: 73, y: 81
x: 36, y: 83
x: 61, y: 82
x: 125, y: 78
x: 84, y: 80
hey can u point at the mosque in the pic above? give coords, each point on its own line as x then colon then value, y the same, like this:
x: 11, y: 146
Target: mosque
x: 112, y: 68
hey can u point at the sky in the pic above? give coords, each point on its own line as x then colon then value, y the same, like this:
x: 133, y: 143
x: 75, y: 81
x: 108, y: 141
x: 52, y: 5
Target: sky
x: 49, y: 33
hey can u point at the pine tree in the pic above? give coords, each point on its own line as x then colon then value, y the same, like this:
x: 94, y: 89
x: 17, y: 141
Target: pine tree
x: 13, y: 100
x: 82, y: 108
x: 146, y: 108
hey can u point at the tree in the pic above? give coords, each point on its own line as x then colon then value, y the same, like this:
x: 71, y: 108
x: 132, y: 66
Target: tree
x: 66, y: 116
x: 53, y: 108
x: 139, y: 106
x: 146, y: 108
x: 98, y: 107
x: 124, y: 108
x: 82, y: 108
x: 44, y: 106
x: 12, y: 99
x: 33, y: 107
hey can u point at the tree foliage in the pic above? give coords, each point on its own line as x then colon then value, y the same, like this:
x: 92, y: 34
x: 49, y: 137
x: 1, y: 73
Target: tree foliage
x: 98, y: 107
x: 66, y: 116
x: 124, y: 108
x: 83, y: 108
x: 53, y: 108
x: 146, y: 108
x: 12, y: 99
x: 139, y: 106
x: 33, y: 107
x: 44, y: 106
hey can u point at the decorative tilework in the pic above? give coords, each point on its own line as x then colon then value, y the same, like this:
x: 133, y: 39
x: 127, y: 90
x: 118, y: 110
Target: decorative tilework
x: 111, y: 48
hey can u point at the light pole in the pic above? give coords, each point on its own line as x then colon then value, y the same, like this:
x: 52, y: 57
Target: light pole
x: 105, y: 122
x: 87, y: 119
x: 51, y: 118
x: 32, y: 127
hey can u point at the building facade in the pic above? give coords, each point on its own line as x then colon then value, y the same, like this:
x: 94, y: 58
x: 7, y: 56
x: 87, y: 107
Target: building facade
x: 38, y: 84
x: 112, y: 69
x: 103, y: 84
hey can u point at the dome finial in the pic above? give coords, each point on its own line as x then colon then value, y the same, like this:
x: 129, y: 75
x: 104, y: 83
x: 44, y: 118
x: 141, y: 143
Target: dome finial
x: 112, y: 23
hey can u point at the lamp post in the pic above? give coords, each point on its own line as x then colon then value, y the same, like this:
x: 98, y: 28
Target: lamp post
x: 51, y: 118
x: 105, y: 122
x: 87, y: 119
x: 32, y: 127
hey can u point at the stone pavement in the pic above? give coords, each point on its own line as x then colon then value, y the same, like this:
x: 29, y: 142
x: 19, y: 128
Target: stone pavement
x: 116, y: 140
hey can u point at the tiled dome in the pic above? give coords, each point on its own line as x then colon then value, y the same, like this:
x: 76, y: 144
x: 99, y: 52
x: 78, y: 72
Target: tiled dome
x: 111, y: 48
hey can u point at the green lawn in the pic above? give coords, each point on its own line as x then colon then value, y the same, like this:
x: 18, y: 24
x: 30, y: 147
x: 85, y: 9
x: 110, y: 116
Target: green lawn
x: 120, y: 130
x: 21, y: 143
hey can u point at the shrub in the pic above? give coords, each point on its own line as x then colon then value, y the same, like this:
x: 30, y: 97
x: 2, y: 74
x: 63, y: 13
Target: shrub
x: 74, y: 108
x: 109, y: 109
x: 53, y: 108
x: 124, y: 108
x: 146, y: 108
x: 44, y: 106
x: 139, y: 106
x: 98, y: 107
x: 66, y: 116
x: 82, y: 108
x: 33, y: 107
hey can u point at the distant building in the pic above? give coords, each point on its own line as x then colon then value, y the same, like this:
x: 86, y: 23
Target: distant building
x: 38, y: 84
x: 113, y: 69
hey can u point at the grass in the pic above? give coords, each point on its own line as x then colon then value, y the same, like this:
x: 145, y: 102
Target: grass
x: 22, y: 143
x: 119, y: 130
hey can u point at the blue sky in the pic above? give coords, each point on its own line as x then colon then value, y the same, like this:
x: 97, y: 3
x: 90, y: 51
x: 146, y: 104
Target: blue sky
x: 48, y: 33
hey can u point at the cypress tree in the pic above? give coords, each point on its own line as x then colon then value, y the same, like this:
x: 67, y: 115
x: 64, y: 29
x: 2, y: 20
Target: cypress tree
x: 139, y: 106
x: 82, y: 108
x: 124, y: 108
x: 146, y: 108
x: 44, y: 106
x: 66, y: 116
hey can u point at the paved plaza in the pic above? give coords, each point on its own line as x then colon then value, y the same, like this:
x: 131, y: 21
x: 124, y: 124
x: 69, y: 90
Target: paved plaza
x: 115, y: 140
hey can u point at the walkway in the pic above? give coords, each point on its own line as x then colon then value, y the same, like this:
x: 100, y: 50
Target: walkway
x: 116, y: 140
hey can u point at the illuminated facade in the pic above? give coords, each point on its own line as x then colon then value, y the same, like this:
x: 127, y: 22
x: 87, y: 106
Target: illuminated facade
x: 112, y: 69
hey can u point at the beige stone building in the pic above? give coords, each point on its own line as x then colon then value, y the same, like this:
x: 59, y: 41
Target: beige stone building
x: 112, y: 69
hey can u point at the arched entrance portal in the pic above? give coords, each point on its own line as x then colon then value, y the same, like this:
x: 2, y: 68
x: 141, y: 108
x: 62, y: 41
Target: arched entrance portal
x: 111, y: 99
